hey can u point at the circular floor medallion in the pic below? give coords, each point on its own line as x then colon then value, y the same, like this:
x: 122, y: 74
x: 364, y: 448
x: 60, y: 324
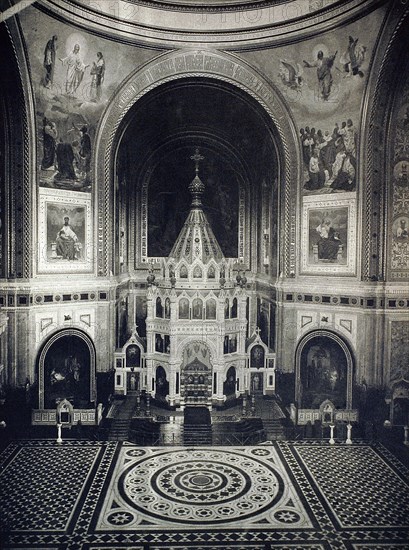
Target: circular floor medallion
x: 201, y: 486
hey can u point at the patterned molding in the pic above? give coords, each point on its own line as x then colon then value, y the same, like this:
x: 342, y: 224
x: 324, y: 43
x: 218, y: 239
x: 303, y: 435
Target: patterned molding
x: 22, y: 154
x: 398, y: 221
x: 231, y: 25
x: 400, y: 301
x: 377, y: 105
x: 399, y: 351
x: 173, y: 66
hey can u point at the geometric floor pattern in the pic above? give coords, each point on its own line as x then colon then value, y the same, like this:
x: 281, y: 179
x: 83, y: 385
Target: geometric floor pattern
x: 107, y: 495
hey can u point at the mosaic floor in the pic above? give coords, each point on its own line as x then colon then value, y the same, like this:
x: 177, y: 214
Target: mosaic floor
x: 95, y: 496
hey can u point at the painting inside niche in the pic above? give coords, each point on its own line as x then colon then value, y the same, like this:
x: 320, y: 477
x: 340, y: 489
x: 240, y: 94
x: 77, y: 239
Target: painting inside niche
x: 328, y: 235
x: 133, y: 356
x: 400, y: 229
x: 400, y: 173
x: 323, y: 374
x: 67, y: 373
x: 65, y: 233
x: 229, y: 384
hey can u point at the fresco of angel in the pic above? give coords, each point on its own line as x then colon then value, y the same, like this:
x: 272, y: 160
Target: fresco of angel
x: 353, y: 57
x: 291, y: 74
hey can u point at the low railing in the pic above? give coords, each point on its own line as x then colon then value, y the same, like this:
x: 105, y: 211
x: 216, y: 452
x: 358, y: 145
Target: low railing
x: 220, y: 439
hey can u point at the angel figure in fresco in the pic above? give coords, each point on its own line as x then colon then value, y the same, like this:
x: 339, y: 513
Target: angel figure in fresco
x: 324, y: 74
x: 291, y: 74
x: 353, y: 57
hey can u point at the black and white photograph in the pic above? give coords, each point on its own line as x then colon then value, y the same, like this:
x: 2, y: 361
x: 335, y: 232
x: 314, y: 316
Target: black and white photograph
x: 204, y: 274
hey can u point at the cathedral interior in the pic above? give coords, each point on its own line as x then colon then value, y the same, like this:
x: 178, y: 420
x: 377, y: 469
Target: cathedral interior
x: 204, y: 274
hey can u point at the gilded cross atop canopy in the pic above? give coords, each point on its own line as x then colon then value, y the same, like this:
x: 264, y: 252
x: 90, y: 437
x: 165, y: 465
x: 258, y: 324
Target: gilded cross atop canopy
x: 197, y: 157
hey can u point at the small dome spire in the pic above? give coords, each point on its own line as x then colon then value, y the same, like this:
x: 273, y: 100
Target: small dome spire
x: 197, y: 187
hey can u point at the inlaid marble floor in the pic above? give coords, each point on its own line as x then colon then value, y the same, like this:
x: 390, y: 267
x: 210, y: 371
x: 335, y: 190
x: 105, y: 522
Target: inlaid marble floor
x: 87, y: 495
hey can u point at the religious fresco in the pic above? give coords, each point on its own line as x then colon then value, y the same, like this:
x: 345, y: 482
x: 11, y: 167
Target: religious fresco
x: 328, y: 231
x: 399, y: 351
x: 399, y: 221
x: 328, y: 235
x: 64, y: 231
x: 323, y: 81
x: 67, y: 373
x: 323, y: 374
x: 74, y: 75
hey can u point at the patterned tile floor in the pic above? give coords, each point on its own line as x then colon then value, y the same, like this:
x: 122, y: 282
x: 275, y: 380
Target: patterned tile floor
x: 104, y: 496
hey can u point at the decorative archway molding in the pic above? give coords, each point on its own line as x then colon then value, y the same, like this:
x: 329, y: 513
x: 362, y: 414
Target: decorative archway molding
x: 198, y: 64
x: 46, y: 347
x: 190, y: 340
x: 345, y: 348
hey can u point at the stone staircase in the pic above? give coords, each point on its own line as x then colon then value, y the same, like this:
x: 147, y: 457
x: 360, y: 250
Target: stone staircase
x: 120, y: 424
x: 274, y: 429
x: 197, y: 435
x: 119, y: 429
x: 197, y: 426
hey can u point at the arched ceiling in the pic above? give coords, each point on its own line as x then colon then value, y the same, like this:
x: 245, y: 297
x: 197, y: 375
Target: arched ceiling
x: 227, y: 24
x: 197, y: 112
x: 160, y: 134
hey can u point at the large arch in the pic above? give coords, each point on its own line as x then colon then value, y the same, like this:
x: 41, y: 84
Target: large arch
x: 187, y: 64
x: 377, y: 140
x: 85, y: 349
x: 332, y: 337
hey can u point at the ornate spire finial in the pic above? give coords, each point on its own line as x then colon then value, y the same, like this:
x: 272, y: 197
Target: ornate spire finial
x: 197, y: 157
x: 197, y: 186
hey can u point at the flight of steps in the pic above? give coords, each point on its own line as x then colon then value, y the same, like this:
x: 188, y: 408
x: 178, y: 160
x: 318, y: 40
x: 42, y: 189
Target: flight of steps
x: 119, y: 429
x: 274, y: 429
x: 197, y: 426
x: 120, y: 424
x: 197, y: 435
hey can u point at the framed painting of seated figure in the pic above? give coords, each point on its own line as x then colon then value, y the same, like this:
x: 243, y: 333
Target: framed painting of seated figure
x: 328, y: 235
x: 65, y: 229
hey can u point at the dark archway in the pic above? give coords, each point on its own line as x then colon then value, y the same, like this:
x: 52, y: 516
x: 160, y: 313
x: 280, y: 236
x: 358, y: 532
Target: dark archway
x: 66, y: 367
x: 154, y: 169
x: 161, y: 384
x: 324, y: 371
x: 229, y: 385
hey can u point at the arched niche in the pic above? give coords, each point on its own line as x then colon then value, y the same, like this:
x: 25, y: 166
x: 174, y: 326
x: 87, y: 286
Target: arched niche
x: 178, y: 65
x: 229, y: 384
x: 324, y: 371
x: 161, y: 383
x: 66, y: 370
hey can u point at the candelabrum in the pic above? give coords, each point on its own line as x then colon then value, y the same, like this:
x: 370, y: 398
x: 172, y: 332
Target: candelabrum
x: 331, y: 439
x: 349, y: 430
x: 59, y: 438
